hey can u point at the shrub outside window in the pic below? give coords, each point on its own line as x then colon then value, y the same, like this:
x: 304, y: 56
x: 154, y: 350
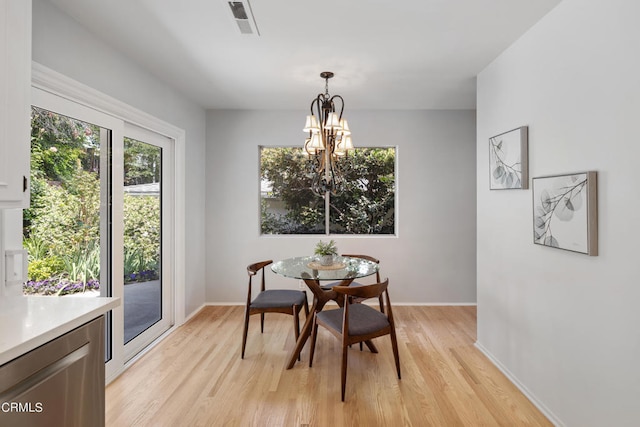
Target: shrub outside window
x: 365, y: 206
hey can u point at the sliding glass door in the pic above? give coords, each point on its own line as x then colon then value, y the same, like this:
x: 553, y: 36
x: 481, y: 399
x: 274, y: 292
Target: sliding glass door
x: 100, y: 219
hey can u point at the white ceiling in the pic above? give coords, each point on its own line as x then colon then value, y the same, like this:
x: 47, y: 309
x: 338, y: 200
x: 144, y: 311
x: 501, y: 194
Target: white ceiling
x: 411, y: 54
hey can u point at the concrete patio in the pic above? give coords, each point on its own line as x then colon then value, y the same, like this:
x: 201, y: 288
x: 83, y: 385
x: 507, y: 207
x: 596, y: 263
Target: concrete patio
x: 142, y: 307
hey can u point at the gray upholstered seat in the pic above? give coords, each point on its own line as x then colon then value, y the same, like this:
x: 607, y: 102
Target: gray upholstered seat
x: 272, y: 298
x: 363, y: 319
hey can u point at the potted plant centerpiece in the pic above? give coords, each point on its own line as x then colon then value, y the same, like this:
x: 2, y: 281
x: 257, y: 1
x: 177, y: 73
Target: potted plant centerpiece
x: 326, y: 252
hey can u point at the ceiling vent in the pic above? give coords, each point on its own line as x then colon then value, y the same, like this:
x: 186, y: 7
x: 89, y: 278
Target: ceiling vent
x: 243, y: 16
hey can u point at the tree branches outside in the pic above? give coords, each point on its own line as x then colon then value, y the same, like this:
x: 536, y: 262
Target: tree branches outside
x: 366, y: 204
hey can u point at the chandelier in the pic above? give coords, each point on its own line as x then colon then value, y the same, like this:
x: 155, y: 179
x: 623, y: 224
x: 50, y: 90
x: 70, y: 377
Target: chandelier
x: 329, y: 141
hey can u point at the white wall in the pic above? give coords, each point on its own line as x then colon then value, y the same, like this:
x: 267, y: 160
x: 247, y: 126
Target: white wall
x: 565, y: 325
x: 64, y: 45
x: 432, y: 260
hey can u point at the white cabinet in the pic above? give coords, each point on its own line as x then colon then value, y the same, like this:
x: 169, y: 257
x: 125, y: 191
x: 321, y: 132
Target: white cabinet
x: 15, y: 105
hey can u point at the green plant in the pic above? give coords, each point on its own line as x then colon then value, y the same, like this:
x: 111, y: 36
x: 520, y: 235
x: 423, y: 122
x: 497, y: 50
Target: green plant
x: 83, y: 264
x: 45, y: 268
x: 141, y: 233
x: 133, y: 261
x: 36, y: 248
x: 61, y: 229
x: 328, y: 248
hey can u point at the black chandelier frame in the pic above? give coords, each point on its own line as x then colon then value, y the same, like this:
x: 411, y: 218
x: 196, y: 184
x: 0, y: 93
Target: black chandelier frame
x: 324, y: 168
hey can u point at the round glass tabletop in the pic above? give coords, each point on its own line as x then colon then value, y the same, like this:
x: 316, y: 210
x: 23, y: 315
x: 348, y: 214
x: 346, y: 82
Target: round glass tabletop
x: 308, y: 268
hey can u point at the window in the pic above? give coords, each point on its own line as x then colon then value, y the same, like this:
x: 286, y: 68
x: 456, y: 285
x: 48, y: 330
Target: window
x: 366, y: 205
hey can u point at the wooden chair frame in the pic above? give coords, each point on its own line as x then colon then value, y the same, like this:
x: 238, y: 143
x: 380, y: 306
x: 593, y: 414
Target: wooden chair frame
x: 293, y: 310
x: 353, y: 293
x: 377, y: 261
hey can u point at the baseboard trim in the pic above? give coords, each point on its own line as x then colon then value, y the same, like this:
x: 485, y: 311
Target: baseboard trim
x: 224, y: 304
x: 435, y: 304
x: 193, y: 313
x: 532, y: 398
x: 406, y: 304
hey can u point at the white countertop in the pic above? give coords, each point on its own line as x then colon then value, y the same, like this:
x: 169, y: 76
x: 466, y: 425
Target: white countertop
x: 27, y: 322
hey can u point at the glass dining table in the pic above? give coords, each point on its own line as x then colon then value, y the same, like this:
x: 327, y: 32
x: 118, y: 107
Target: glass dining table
x: 343, y: 270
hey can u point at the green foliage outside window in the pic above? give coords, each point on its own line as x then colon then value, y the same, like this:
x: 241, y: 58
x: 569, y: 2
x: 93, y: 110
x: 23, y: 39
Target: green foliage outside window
x: 141, y: 162
x: 61, y: 229
x: 141, y: 236
x: 366, y: 205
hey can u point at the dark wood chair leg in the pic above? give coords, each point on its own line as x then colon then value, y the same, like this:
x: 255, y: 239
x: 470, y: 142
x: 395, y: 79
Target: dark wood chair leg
x: 371, y: 346
x: 306, y: 306
x: 262, y: 323
x: 344, y: 369
x: 394, y: 346
x: 244, y: 333
x: 314, y: 334
x: 296, y: 323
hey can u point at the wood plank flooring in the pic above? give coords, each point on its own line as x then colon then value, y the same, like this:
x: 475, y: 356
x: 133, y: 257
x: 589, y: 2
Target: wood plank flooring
x: 195, y: 377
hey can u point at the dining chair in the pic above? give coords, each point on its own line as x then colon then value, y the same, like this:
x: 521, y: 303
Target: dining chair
x: 272, y: 301
x: 354, y: 323
x: 355, y: 283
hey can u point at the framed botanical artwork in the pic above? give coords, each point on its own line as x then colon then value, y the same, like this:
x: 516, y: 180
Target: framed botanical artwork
x: 565, y: 212
x: 508, y: 160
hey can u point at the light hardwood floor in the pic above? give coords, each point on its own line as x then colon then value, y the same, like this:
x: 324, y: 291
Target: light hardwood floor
x: 195, y: 377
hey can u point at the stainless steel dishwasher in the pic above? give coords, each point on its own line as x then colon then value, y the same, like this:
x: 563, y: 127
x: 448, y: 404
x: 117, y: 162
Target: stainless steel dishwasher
x: 60, y: 383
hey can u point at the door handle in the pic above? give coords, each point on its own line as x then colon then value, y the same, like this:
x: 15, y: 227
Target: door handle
x: 13, y: 275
